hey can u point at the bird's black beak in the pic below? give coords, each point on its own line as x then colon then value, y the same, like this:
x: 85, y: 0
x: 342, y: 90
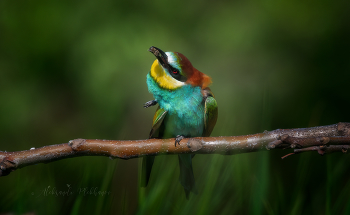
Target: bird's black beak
x: 161, y: 56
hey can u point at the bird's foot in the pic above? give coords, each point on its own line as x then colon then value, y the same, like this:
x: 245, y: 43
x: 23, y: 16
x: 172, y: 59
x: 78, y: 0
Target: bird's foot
x: 178, y: 138
x: 150, y: 103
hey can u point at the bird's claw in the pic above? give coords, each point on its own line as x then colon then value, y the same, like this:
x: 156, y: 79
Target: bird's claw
x: 150, y: 103
x: 178, y: 138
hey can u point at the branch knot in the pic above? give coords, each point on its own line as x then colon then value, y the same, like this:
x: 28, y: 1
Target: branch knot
x: 194, y: 144
x: 7, y: 166
x: 74, y: 144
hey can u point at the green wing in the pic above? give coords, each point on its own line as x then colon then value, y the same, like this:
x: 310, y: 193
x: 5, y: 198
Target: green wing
x: 210, y: 112
x: 157, y: 121
x: 147, y: 161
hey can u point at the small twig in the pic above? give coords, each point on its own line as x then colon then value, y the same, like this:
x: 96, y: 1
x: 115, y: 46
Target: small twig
x: 293, y: 153
x: 322, y: 150
x: 323, y: 139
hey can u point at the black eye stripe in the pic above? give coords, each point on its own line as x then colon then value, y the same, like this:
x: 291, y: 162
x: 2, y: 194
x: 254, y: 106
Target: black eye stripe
x: 174, y: 71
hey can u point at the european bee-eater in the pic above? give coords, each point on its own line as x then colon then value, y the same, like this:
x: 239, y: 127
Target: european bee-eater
x: 187, y: 108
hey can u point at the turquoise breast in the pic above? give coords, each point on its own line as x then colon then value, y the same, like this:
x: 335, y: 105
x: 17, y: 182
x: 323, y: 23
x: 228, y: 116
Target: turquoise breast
x: 185, y: 108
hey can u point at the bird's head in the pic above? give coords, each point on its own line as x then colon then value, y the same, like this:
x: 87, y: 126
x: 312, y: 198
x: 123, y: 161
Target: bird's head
x: 172, y: 70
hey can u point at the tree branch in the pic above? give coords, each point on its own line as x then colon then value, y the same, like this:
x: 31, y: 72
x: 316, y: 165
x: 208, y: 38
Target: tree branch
x: 323, y: 139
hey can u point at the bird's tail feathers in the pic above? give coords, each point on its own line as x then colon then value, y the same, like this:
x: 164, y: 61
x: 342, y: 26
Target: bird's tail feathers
x: 186, y: 174
x: 147, y: 163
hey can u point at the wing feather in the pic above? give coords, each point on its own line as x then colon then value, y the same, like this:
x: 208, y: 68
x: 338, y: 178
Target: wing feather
x: 210, y: 112
x: 147, y: 161
x: 157, y: 121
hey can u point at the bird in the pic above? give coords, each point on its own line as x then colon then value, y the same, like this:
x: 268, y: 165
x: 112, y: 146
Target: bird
x: 186, y: 108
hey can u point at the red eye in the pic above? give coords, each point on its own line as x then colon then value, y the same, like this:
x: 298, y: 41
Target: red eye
x: 175, y: 72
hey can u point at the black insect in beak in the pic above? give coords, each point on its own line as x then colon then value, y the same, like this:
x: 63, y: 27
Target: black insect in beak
x: 161, y: 56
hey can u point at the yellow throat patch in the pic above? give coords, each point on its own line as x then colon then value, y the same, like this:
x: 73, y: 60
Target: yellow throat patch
x: 163, y: 79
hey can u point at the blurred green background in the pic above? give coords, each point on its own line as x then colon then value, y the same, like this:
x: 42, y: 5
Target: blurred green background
x: 77, y: 69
